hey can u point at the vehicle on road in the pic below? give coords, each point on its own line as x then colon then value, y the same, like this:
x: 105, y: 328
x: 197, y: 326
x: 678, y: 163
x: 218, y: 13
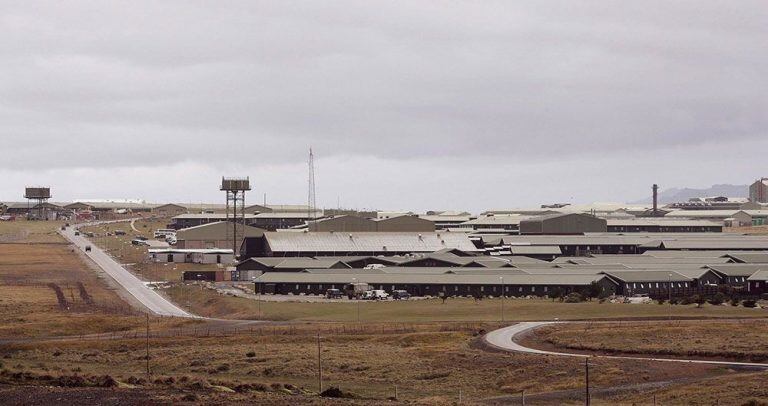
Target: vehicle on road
x: 333, y: 294
x: 77, y: 233
x: 400, y: 295
x: 87, y: 248
x: 356, y: 290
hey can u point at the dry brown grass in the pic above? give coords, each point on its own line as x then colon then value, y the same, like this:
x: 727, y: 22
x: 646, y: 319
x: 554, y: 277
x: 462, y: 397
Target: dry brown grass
x: 741, y: 340
x: 427, y: 362
x: 28, y: 303
x: 22, y: 231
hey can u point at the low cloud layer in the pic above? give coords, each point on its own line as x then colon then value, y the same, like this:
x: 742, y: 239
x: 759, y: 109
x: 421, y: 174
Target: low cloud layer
x: 470, y: 92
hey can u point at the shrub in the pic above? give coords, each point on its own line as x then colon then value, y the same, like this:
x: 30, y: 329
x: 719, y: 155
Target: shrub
x: 660, y: 301
x: 334, y: 392
x: 749, y: 303
x: 674, y: 301
x: 734, y: 301
x: 574, y: 298
x: 223, y: 367
x: 250, y: 354
x: 555, y: 293
x: 717, y: 299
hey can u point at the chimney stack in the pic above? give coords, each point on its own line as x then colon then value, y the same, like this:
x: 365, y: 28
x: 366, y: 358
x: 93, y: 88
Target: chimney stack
x: 655, y: 198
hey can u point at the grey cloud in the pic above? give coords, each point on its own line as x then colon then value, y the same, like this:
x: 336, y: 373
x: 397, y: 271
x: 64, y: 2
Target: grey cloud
x: 144, y: 83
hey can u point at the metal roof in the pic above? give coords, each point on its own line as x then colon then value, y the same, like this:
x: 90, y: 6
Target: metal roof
x: 427, y: 279
x: 647, y: 276
x: 220, y: 230
x: 761, y: 275
x: 367, y: 242
x: 738, y: 269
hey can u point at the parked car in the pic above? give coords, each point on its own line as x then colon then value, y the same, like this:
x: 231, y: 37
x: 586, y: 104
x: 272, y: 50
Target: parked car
x: 87, y: 248
x: 141, y: 237
x: 63, y: 228
x: 401, y: 295
x: 137, y: 241
x: 119, y: 232
x: 333, y: 294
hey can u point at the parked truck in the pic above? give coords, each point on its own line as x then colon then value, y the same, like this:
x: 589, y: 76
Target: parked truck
x: 356, y: 290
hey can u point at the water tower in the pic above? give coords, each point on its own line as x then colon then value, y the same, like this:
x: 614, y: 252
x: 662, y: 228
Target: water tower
x: 40, y: 196
x: 235, y: 189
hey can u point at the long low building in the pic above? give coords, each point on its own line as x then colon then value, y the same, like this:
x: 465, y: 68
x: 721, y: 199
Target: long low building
x: 311, y: 244
x: 197, y: 256
x: 445, y: 284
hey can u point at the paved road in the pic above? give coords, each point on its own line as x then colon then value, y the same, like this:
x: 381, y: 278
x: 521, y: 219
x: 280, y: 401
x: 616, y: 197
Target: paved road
x: 153, y: 301
x: 504, y: 339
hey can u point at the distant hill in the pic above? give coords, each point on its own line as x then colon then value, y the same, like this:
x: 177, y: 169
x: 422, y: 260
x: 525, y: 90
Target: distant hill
x: 673, y: 195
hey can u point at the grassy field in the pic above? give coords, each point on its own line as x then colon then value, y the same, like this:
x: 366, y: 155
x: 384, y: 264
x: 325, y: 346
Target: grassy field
x: 207, y: 302
x: 428, y: 363
x: 31, y: 278
x: 742, y: 340
x: 22, y: 231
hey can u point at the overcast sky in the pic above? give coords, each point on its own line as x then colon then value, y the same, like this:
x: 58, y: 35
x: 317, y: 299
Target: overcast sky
x: 407, y: 105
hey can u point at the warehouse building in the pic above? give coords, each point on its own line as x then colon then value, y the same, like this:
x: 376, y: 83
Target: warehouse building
x: 169, y: 210
x: 214, y: 235
x: 405, y: 223
x: 559, y: 224
x: 656, y: 283
x: 442, y: 284
x: 493, y: 224
x: 291, y: 264
x: 312, y: 244
x: 662, y: 225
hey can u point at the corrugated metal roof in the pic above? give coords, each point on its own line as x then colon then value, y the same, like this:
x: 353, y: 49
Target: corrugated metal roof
x: 220, y: 230
x: 647, y: 276
x: 738, y: 269
x: 367, y: 242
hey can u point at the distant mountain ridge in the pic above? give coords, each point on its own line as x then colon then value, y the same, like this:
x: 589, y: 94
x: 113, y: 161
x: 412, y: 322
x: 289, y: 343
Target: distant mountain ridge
x: 673, y: 195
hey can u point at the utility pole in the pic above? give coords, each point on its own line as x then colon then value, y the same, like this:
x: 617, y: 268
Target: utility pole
x: 586, y: 399
x: 669, y: 290
x: 148, y: 373
x: 522, y: 397
x: 502, y: 298
x: 319, y: 367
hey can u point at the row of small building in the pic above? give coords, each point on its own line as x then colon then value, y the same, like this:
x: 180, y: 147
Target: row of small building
x: 452, y: 273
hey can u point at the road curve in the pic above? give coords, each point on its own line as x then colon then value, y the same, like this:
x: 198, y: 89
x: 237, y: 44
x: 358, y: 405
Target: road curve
x: 152, y: 300
x: 504, y: 339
